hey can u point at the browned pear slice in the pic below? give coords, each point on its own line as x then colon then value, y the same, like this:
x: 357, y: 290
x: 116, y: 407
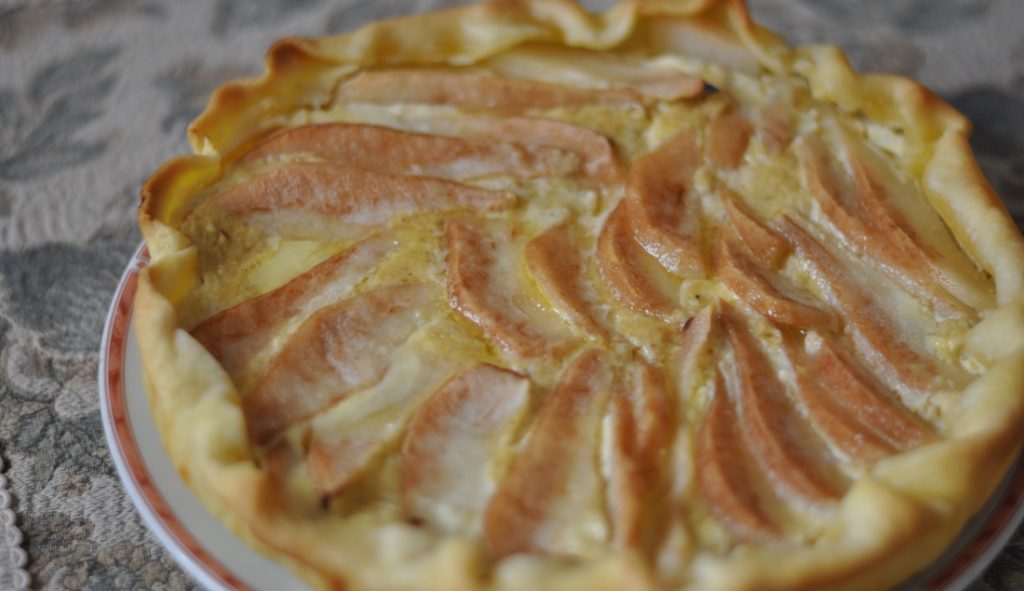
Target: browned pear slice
x: 450, y: 442
x: 348, y: 439
x: 856, y: 391
x: 763, y: 245
x: 728, y: 135
x: 766, y: 291
x: 620, y: 260
x: 723, y: 472
x: 350, y: 195
x: 876, y: 235
x: 557, y: 266
x: 550, y: 500
x: 836, y: 421
x: 392, y: 151
x: 641, y: 431
x: 483, y: 287
x: 778, y: 437
x: 876, y: 338
x: 338, y: 350
x: 661, y: 206
x: 595, y: 150
x: 234, y: 336
x: 474, y: 91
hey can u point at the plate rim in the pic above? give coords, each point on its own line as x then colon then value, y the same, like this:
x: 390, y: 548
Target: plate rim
x: 977, y: 545
x: 131, y: 469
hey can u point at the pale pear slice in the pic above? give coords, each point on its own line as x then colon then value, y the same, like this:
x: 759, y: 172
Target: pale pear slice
x: 775, y: 125
x: 446, y: 457
x: 557, y: 266
x: 310, y: 194
x: 393, y: 151
x: 728, y: 135
x: 347, y: 439
x: 596, y: 70
x: 874, y: 334
x: 723, y: 472
x: 595, y: 150
x: 474, y: 91
x: 778, y: 438
x: 857, y: 392
x: 662, y: 208
x: 550, y: 500
x: 762, y: 244
x: 765, y: 291
x: 876, y: 236
x: 338, y: 350
x: 836, y: 420
x: 483, y: 285
x: 640, y: 434
x: 693, y: 350
x: 234, y: 336
x: 620, y: 260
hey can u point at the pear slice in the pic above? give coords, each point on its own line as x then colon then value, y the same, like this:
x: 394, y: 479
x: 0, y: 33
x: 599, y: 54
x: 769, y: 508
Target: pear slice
x: 778, y: 438
x: 307, y: 195
x: 640, y: 434
x: 621, y: 262
x: 728, y: 135
x: 692, y: 353
x: 392, y: 151
x: 236, y: 335
x: 595, y: 150
x: 450, y: 442
x: 338, y: 350
x: 876, y: 235
x: 836, y: 419
x: 347, y: 440
x: 483, y: 285
x: 557, y: 266
x: 551, y: 498
x: 762, y: 244
x: 765, y: 291
x: 662, y: 208
x: 479, y: 92
x: 875, y: 337
x: 858, y: 393
x: 723, y: 472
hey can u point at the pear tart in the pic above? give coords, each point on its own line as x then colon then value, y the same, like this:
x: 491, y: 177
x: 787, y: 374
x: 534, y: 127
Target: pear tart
x: 516, y: 296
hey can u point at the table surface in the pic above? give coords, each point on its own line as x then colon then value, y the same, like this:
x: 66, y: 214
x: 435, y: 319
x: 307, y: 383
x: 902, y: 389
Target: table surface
x: 94, y: 94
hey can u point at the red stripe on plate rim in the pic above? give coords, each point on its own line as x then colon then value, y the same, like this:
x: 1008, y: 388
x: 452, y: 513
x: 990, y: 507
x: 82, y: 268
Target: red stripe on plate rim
x: 123, y: 440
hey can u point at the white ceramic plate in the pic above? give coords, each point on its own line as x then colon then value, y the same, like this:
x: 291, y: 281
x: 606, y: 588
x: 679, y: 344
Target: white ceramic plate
x: 220, y: 561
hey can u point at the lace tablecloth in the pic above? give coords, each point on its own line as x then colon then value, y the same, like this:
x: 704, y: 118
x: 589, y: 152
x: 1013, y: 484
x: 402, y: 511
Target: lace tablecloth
x: 94, y: 94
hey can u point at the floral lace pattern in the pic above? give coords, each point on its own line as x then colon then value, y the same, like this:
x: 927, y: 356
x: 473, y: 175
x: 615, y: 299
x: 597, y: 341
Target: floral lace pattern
x: 96, y: 93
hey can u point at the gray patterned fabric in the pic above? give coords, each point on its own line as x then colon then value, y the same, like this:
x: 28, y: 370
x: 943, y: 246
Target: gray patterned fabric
x: 94, y: 94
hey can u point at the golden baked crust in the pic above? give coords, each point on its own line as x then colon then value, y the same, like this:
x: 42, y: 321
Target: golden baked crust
x: 903, y: 508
